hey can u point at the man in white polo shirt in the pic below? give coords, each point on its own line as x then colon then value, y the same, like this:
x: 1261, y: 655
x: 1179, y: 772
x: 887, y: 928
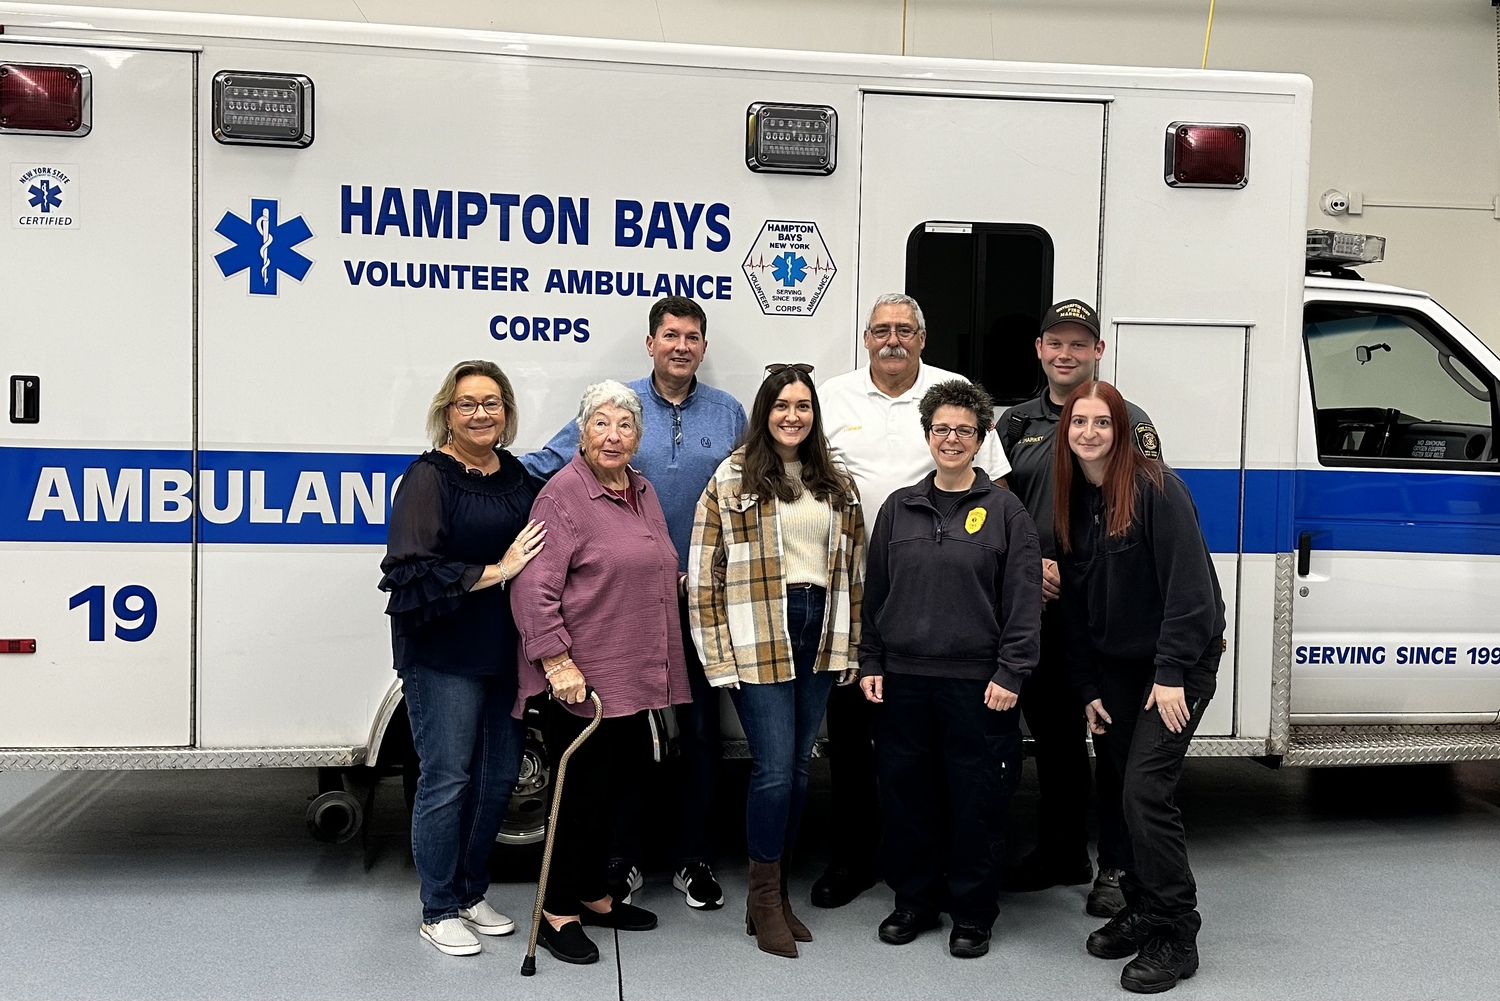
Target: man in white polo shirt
x: 870, y: 417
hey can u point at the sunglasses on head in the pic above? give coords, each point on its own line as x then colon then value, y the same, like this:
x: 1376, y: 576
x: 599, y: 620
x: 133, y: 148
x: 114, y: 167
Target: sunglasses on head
x: 776, y: 368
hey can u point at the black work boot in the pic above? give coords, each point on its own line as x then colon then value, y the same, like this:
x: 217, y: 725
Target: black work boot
x: 1164, y: 960
x: 1106, y: 899
x: 1123, y: 936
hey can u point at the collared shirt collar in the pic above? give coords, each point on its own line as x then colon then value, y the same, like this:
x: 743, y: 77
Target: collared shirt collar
x: 916, y: 387
x: 656, y: 393
x: 595, y: 488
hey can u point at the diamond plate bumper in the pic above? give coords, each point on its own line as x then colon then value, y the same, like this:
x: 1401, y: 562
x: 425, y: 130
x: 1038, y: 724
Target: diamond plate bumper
x: 1329, y: 746
x: 160, y: 758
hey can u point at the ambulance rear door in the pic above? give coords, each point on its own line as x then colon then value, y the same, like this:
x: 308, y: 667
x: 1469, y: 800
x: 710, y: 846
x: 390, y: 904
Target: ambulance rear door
x: 96, y: 346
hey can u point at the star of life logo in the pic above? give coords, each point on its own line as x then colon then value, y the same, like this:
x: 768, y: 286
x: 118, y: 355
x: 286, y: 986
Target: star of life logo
x: 44, y: 196
x: 789, y: 268
x: 263, y: 245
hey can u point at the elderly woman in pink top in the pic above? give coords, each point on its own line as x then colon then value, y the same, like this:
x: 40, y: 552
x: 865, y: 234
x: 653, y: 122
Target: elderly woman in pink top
x: 598, y: 607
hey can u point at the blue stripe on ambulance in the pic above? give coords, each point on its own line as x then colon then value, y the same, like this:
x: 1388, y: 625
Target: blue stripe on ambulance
x: 343, y: 498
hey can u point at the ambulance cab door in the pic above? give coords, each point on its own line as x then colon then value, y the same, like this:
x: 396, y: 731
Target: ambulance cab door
x: 1397, y: 515
x: 96, y: 347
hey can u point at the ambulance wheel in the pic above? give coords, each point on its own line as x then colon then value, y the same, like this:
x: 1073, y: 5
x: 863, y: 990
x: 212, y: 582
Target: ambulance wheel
x: 335, y: 816
x: 526, y: 816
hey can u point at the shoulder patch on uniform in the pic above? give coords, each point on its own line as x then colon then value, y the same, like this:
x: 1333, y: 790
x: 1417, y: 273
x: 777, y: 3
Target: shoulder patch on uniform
x: 975, y: 521
x: 1146, y: 440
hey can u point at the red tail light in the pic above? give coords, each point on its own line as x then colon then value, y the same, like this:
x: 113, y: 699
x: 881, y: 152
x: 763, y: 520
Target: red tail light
x: 45, y: 100
x: 1207, y: 156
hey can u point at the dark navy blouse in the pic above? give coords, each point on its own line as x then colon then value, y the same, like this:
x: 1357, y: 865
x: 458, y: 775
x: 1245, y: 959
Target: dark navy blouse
x: 447, y: 525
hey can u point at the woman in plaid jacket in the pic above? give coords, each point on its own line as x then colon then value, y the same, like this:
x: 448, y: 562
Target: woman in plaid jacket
x: 775, y: 579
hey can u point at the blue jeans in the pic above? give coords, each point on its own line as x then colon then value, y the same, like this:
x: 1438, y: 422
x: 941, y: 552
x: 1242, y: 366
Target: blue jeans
x: 781, y: 725
x: 470, y: 750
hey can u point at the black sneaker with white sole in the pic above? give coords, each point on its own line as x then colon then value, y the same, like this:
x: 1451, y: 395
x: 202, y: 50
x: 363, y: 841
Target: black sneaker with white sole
x: 623, y: 880
x: 697, y: 883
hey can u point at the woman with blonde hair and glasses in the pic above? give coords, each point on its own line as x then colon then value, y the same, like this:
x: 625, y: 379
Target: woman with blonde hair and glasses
x: 774, y: 591
x: 459, y: 531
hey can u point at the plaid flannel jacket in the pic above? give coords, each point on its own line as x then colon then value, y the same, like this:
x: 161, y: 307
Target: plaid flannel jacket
x: 737, y: 594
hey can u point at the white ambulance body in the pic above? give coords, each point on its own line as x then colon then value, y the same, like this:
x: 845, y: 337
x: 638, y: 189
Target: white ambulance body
x: 220, y: 354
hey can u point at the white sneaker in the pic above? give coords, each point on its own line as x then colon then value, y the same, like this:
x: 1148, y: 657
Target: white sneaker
x: 486, y: 920
x: 451, y: 937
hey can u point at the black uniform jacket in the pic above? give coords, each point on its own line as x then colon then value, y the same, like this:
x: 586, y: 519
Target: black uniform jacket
x: 1030, y: 430
x: 954, y: 597
x: 1150, y: 595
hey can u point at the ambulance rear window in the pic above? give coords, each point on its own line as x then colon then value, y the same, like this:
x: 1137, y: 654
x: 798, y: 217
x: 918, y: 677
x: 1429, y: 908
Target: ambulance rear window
x: 983, y: 288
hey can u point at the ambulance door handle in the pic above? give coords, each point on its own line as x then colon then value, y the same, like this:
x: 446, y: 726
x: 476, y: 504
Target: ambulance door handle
x: 1304, y: 554
x: 25, y: 399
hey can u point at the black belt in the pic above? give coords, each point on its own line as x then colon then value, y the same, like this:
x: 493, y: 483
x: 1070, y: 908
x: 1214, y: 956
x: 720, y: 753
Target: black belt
x: 804, y: 587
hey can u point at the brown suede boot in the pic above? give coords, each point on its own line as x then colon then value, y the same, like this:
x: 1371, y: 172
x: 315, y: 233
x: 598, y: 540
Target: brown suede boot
x: 763, y: 916
x: 798, y: 929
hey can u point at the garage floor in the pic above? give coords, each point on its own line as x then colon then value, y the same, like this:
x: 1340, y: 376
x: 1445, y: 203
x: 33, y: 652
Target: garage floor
x: 1375, y: 883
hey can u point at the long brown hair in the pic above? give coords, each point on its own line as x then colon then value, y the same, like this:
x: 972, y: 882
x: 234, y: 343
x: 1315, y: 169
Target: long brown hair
x: 762, y: 472
x: 1122, y: 467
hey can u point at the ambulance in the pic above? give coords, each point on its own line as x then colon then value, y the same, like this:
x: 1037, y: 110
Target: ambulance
x: 243, y: 252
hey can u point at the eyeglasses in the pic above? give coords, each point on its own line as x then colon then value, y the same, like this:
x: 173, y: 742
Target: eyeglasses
x: 964, y: 431
x: 903, y: 331
x: 776, y: 368
x: 467, y: 407
x: 676, y: 426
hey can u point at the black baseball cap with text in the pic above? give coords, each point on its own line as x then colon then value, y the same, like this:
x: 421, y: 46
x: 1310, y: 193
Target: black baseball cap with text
x: 1071, y: 311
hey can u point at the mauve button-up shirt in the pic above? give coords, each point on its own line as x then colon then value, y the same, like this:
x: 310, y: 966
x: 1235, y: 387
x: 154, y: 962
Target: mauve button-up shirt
x: 604, y: 590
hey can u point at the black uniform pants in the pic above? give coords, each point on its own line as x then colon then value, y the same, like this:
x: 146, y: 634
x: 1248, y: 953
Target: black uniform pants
x: 1057, y: 726
x: 1158, y: 882
x: 600, y: 774
x: 855, y: 821
x: 948, y: 766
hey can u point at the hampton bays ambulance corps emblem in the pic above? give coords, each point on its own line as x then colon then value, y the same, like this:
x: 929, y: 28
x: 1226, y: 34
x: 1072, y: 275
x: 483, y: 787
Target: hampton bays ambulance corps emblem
x: 1145, y: 440
x: 975, y: 521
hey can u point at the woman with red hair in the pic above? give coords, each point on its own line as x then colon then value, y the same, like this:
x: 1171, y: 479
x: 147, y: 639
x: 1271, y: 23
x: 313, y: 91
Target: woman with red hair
x: 1145, y: 625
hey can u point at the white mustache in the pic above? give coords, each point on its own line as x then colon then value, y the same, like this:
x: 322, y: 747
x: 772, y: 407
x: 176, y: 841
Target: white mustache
x: 892, y: 351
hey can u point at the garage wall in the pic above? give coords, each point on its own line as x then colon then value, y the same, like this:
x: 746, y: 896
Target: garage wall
x: 1405, y: 106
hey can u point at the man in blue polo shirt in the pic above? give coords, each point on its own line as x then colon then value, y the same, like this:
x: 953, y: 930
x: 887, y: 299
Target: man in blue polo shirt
x: 689, y: 429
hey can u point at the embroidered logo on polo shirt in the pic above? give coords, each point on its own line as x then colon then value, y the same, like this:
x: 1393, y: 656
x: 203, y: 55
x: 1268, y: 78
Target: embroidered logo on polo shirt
x: 975, y: 521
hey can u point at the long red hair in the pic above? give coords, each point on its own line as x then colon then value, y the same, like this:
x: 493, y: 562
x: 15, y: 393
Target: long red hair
x: 1123, y: 466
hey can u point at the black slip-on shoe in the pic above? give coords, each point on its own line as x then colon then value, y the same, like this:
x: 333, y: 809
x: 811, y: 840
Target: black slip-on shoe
x: 622, y: 916
x: 901, y: 927
x: 568, y: 944
x: 968, y: 942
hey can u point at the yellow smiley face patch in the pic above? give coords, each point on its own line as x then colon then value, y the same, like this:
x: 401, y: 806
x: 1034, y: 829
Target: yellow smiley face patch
x: 975, y: 521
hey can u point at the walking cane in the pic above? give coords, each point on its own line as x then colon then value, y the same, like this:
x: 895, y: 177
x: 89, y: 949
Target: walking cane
x: 528, y: 965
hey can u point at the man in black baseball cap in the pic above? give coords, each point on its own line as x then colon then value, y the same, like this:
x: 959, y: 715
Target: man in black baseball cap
x: 1069, y: 348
